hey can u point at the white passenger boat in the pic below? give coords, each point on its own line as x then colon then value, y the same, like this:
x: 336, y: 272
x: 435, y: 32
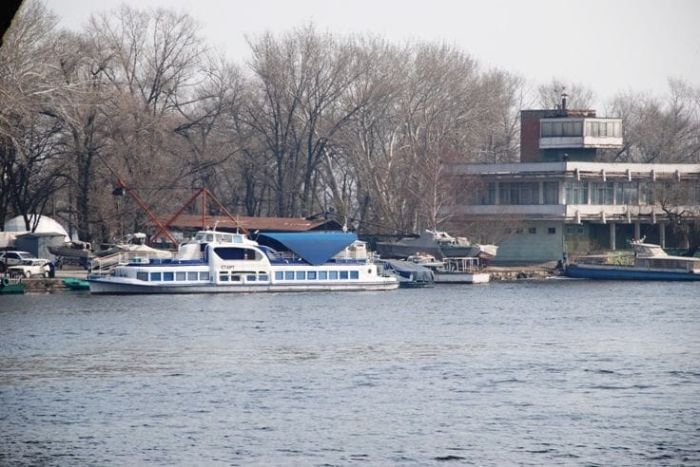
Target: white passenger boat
x: 216, y: 262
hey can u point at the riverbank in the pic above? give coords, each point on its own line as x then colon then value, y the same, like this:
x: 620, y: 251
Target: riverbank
x: 514, y: 273
x: 55, y: 284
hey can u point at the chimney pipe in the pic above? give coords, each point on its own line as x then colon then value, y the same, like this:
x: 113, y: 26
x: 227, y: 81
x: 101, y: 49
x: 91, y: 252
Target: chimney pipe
x: 563, y: 100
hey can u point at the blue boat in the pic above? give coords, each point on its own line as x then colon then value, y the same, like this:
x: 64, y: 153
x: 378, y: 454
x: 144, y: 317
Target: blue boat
x: 651, y: 263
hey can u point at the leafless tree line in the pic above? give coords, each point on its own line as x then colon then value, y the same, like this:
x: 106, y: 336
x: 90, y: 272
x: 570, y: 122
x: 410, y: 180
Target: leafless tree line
x: 353, y: 127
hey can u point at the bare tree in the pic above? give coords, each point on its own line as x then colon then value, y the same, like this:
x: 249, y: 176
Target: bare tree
x: 658, y: 129
x: 299, y: 108
x: 30, y: 171
x: 579, y: 96
x: 680, y: 201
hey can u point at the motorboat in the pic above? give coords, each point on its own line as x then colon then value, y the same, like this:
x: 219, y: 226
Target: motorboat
x: 409, y: 274
x: 436, y: 243
x: 650, y: 262
x: 465, y: 270
x: 216, y: 262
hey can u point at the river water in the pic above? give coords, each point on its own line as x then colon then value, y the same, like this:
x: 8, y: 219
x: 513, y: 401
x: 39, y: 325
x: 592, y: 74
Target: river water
x: 554, y: 372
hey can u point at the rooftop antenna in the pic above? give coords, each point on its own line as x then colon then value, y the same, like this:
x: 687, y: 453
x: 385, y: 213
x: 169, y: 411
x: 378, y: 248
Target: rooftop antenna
x: 564, y: 95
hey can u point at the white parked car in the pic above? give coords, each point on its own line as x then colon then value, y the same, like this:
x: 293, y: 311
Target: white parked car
x: 23, y: 263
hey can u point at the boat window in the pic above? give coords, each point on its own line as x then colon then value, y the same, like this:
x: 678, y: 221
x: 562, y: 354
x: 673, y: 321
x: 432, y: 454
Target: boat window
x: 301, y: 275
x: 279, y: 275
x: 264, y: 277
x: 204, y: 276
x: 311, y: 275
x: 223, y: 276
x: 210, y: 238
x: 236, y: 278
x: 155, y: 276
x: 142, y: 276
x: 235, y: 253
x: 322, y: 275
x: 251, y: 278
x: 180, y: 275
x: 192, y: 276
x: 333, y: 275
x: 343, y: 274
x: 289, y: 275
x: 168, y: 276
x: 551, y: 230
x: 354, y: 274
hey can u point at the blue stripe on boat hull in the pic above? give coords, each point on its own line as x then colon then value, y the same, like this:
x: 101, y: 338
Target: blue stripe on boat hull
x: 617, y: 273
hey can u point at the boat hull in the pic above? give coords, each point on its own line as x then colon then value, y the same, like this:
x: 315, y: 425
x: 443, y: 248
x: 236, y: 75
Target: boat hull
x: 462, y: 278
x: 107, y: 287
x: 627, y: 273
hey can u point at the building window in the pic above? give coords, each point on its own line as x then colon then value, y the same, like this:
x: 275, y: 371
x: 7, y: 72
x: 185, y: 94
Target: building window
x: 576, y: 192
x: 551, y: 230
x: 532, y: 230
x: 627, y: 193
x: 551, y: 192
x: 515, y: 193
x: 602, y: 193
x: 559, y: 128
x: 646, y: 193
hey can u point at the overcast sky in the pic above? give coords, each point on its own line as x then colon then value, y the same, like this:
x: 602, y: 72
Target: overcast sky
x: 607, y: 45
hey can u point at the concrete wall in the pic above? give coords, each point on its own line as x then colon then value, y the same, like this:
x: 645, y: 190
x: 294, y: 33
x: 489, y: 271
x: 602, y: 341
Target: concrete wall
x: 540, y: 246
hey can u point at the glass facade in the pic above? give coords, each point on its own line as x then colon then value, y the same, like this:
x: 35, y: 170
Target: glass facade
x: 576, y: 192
x: 602, y: 193
x: 593, y: 192
x: 519, y: 193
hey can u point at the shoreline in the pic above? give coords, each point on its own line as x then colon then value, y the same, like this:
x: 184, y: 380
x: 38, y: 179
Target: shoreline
x: 498, y: 274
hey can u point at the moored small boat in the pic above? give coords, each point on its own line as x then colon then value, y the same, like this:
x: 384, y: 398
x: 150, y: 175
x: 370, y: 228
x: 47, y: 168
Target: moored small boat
x: 436, y: 243
x: 466, y: 270
x: 74, y: 283
x: 12, y: 285
x: 650, y: 263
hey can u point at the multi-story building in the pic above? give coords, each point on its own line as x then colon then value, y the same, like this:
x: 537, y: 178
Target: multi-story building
x: 559, y: 199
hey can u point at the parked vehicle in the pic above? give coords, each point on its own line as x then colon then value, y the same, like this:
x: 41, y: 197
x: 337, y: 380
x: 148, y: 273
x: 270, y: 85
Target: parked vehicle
x: 23, y: 263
